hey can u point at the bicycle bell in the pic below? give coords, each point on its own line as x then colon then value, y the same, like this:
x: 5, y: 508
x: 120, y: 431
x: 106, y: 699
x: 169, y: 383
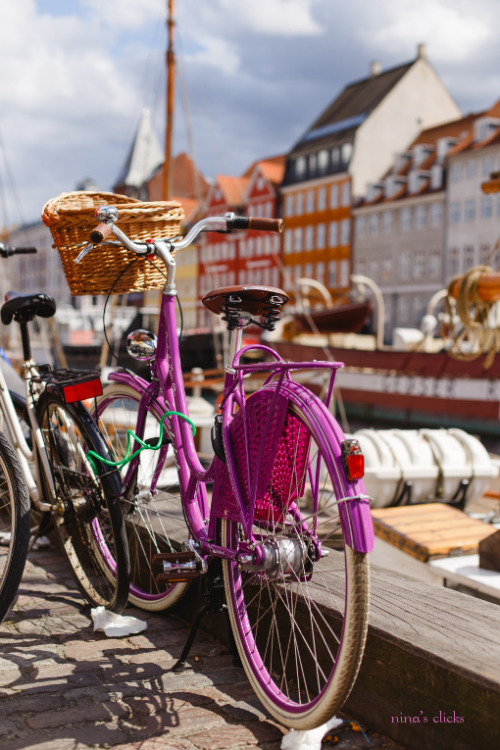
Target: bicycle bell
x: 141, y: 345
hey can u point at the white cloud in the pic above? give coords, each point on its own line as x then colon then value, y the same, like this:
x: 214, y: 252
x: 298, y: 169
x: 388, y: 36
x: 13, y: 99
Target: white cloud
x: 453, y: 31
x: 280, y: 17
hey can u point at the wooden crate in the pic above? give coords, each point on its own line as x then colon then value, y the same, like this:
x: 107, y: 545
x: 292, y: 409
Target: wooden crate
x: 430, y: 530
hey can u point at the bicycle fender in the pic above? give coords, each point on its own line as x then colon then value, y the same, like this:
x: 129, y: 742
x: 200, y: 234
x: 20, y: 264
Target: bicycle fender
x: 120, y: 376
x: 357, y: 523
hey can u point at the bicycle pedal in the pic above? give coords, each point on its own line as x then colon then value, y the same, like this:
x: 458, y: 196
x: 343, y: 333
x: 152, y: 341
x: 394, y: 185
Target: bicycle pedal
x: 177, y: 566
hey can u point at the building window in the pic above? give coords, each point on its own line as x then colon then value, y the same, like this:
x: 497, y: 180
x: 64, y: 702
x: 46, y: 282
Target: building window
x: 453, y: 262
x: 310, y: 201
x: 332, y: 274
x: 404, y: 265
x: 298, y: 271
x: 405, y: 219
x: 320, y: 272
x: 289, y: 205
x: 488, y: 165
x: 334, y: 196
x: 420, y: 217
x: 323, y: 160
x: 455, y: 212
x: 309, y: 238
x: 312, y: 163
x: 471, y: 169
x: 346, y: 194
x: 487, y: 206
x: 468, y: 257
x: 320, y: 236
x: 308, y: 270
x: 484, y: 254
x: 333, y: 234
x: 373, y: 225
x: 335, y: 157
x: 419, y: 264
x: 344, y: 273
x: 470, y: 209
x: 436, y: 214
x: 346, y: 152
x: 387, y: 222
x: 345, y: 232
x: 322, y: 199
x: 455, y: 172
x: 298, y: 240
x: 300, y: 166
x: 299, y: 204
x: 360, y: 226
x: 435, y: 264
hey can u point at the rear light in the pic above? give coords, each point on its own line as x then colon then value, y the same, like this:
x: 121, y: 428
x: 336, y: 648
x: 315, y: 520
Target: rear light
x: 353, y: 460
x: 80, y: 391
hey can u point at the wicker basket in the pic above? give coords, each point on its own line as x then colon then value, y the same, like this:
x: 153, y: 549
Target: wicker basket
x: 71, y: 217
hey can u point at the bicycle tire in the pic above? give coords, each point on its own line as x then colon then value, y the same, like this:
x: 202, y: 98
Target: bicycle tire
x: 14, y: 525
x: 300, y: 625
x: 87, y: 518
x: 154, y: 522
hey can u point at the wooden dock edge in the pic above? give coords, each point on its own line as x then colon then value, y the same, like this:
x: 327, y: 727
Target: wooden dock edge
x: 430, y: 677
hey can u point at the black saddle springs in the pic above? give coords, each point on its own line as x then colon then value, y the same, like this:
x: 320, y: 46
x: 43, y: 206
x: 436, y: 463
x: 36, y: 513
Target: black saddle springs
x: 235, y: 315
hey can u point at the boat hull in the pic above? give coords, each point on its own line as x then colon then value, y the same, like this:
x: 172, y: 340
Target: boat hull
x: 414, y: 387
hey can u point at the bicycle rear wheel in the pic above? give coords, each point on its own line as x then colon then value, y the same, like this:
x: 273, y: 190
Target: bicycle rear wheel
x: 14, y: 525
x: 299, y: 618
x: 154, y: 519
x: 88, y: 519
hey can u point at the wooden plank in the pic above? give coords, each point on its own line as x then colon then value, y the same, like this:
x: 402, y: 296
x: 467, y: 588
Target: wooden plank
x: 431, y: 652
x: 430, y: 530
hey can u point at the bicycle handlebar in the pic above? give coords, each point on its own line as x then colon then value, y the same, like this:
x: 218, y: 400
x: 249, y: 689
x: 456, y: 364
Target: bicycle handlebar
x: 7, y: 250
x: 228, y: 223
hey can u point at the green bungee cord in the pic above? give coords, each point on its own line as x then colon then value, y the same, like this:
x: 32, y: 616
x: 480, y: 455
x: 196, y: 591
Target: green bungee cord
x: 144, y: 446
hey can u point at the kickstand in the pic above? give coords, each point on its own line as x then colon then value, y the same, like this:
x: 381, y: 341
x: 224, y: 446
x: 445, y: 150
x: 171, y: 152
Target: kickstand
x: 212, y: 589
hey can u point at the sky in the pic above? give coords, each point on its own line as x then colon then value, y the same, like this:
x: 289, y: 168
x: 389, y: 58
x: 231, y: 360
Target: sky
x: 252, y: 75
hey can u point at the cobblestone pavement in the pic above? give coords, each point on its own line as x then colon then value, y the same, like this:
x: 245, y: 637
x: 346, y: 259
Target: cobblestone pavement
x: 66, y: 687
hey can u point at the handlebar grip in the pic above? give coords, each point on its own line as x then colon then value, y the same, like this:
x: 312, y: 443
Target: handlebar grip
x: 265, y: 225
x: 6, y: 251
x: 254, y: 222
x: 100, y: 233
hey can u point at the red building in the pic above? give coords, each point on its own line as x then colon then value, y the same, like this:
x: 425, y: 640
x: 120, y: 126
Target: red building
x: 242, y: 257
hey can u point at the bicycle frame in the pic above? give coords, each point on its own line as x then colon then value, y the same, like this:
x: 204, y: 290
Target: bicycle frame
x: 167, y: 389
x: 24, y: 452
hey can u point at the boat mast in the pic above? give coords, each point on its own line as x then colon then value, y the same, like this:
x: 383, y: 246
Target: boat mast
x: 167, y: 166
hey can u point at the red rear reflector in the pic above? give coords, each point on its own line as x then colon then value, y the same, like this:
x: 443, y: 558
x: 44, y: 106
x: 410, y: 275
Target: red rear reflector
x: 355, y: 466
x: 81, y: 391
x: 353, y: 460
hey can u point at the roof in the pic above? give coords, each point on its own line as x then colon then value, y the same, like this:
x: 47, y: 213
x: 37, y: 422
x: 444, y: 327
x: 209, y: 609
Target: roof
x: 351, y: 107
x: 273, y: 169
x: 144, y: 156
x: 233, y: 188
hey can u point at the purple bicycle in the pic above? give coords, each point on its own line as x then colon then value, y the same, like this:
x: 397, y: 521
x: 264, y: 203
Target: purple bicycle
x: 278, y: 525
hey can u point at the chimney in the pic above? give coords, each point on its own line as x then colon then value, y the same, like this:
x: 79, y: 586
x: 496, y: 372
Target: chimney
x: 421, y: 52
x: 375, y: 68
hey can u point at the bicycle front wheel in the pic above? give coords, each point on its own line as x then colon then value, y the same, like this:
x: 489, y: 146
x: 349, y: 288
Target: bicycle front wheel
x: 14, y: 525
x: 299, y: 618
x: 87, y: 517
x: 154, y: 517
